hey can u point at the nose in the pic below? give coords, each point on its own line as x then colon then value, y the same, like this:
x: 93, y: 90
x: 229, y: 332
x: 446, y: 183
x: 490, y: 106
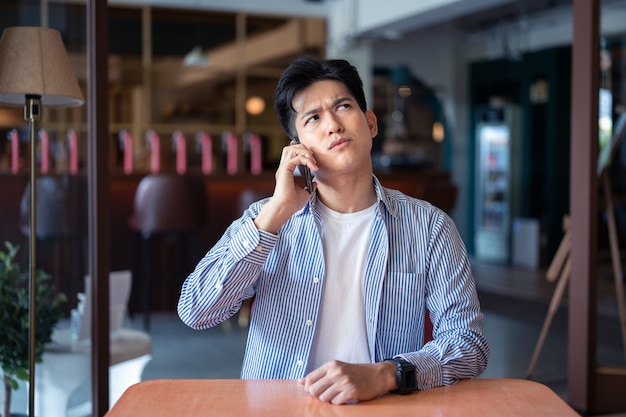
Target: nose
x: 334, y: 124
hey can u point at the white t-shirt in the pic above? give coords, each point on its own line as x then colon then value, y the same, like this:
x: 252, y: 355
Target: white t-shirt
x: 341, y: 331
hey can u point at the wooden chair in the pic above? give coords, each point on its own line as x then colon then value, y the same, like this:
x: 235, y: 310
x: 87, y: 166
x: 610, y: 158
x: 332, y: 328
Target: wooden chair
x: 166, y: 207
x: 61, y: 228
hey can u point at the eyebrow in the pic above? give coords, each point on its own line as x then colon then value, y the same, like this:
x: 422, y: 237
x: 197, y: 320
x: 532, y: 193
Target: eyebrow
x: 317, y: 109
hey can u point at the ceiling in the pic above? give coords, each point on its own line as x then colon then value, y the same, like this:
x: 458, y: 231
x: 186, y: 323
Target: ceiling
x: 508, y: 12
x: 274, y: 28
x: 292, y: 8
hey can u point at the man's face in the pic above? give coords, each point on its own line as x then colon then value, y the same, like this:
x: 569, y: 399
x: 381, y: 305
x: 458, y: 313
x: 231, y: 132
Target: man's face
x: 331, y: 124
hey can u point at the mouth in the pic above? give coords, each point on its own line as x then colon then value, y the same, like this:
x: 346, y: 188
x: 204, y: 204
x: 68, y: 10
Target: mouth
x: 337, y: 143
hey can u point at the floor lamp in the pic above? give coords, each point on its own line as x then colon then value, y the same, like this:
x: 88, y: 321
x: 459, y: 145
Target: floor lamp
x: 34, y: 72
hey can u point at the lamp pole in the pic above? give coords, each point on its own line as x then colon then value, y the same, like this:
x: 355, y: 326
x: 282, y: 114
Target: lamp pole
x: 32, y: 113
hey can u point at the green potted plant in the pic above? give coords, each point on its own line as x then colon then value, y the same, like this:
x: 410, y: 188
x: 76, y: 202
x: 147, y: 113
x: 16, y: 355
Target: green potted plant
x: 14, y: 320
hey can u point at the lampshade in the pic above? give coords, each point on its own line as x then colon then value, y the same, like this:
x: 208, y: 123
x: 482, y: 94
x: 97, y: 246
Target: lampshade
x: 33, y: 61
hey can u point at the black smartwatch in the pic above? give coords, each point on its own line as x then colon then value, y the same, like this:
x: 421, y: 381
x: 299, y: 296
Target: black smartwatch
x: 406, y: 377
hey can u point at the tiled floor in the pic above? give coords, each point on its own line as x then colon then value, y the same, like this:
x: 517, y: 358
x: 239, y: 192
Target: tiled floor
x: 514, y: 302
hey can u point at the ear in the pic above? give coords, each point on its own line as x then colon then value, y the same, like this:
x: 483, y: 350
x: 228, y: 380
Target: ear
x: 372, y: 122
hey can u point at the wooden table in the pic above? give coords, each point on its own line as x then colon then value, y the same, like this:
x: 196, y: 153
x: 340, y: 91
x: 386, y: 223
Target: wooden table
x: 276, y: 398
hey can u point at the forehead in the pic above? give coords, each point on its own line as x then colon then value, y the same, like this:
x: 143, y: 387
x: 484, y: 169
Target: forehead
x: 319, y: 93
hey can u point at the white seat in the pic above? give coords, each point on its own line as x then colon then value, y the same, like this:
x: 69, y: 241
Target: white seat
x: 66, y: 361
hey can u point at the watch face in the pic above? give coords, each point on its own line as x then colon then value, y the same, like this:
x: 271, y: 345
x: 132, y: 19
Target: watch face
x: 406, y: 376
x: 410, y: 378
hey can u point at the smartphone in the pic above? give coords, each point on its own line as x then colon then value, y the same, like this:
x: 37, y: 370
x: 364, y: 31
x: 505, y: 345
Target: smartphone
x: 305, y: 171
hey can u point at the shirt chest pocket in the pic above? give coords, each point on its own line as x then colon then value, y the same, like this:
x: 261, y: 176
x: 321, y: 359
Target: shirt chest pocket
x: 402, y: 304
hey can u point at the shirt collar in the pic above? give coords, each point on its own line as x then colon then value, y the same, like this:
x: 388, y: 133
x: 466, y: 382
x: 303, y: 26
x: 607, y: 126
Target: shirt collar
x: 382, y: 197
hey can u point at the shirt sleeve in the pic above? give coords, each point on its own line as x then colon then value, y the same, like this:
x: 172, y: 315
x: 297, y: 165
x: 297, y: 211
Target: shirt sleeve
x: 225, y: 276
x: 459, y: 349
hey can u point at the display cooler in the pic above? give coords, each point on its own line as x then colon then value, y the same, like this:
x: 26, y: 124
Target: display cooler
x: 499, y: 159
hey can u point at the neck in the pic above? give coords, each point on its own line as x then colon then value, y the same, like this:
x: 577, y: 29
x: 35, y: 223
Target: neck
x: 348, y: 194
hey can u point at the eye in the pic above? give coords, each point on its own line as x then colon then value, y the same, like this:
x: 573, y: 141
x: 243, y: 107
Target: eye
x: 344, y: 106
x: 311, y: 119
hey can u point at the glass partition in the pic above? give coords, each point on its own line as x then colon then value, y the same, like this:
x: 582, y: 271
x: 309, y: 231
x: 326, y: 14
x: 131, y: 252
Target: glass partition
x: 184, y: 86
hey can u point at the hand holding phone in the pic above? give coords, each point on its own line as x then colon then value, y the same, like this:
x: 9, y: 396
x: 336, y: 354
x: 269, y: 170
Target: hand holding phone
x: 305, y: 171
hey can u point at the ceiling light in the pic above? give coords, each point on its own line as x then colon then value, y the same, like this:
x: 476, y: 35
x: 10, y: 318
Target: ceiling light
x: 255, y: 105
x: 438, y: 132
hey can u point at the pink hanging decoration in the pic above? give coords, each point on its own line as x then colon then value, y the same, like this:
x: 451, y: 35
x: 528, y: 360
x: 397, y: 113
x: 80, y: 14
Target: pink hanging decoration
x: 45, y: 150
x: 72, y: 141
x: 15, y: 150
x: 180, y: 146
x: 206, y: 147
x: 256, y: 165
x: 231, y: 154
x: 126, y: 140
x: 155, y: 148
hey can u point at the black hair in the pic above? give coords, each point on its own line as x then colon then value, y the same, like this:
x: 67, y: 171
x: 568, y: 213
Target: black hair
x: 302, y: 73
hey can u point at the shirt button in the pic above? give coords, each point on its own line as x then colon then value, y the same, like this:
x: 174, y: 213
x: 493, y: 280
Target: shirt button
x: 300, y: 363
x: 316, y: 280
x: 259, y: 248
x: 245, y: 243
x: 309, y: 322
x: 218, y: 286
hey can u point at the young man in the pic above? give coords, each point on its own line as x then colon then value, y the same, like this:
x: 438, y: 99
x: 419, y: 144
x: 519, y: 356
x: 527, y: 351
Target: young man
x: 342, y: 276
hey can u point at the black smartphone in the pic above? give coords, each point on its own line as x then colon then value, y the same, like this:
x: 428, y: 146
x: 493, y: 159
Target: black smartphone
x: 305, y: 172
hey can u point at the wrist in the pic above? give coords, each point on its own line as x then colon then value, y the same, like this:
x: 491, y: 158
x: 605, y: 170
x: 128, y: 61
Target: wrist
x: 388, y: 377
x: 270, y: 218
x: 406, y: 376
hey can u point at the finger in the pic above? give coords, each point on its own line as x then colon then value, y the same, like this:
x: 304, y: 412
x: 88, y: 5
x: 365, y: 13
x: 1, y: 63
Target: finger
x: 337, y: 393
x: 322, y: 390
x: 299, y: 152
x: 314, y: 381
x: 291, y: 152
x: 312, y: 377
x: 306, y: 159
x: 341, y: 398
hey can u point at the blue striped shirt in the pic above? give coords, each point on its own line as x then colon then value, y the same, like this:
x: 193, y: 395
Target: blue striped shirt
x: 416, y: 262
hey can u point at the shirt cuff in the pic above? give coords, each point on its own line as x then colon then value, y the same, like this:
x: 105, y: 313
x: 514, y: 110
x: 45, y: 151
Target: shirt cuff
x: 252, y: 244
x: 429, y: 373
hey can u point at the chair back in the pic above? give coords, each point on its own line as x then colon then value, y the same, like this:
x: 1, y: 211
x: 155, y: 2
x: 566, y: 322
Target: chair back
x: 120, y: 283
x: 249, y: 196
x: 169, y: 203
x: 61, y: 205
x: 428, y: 329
